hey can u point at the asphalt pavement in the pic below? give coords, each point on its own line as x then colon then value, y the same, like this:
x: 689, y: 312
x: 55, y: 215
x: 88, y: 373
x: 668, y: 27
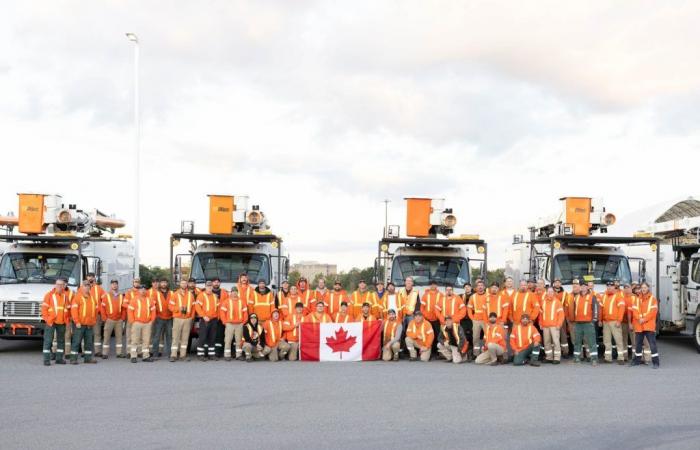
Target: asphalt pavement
x: 116, y: 404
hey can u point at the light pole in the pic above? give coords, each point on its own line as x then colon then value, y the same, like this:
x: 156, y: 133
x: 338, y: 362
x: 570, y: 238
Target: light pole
x: 137, y: 154
x: 386, y: 217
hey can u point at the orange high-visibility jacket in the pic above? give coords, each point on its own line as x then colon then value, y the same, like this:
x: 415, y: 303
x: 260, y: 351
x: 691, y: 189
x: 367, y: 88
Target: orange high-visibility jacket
x: 334, y: 301
x: 307, y: 297
x: 291, y: 327
x: 160, y: 300
x: 612, y: 307
x: 55, y: 308
x: 245, y: 292
x: 524, y: 303
x: 178, y: 300
x: 141, y: 309
x: 83, y: 310
x: 320, y: 297
x: 523, y: 336
x: 273, y: 332
x: 207, y: 305
x: 369, y: 318
x: 261, y: 305
x: 315, y: 317
x: 583, y: 308
x: 358, y: 298
x: 407, y: 301
x: 130, y: 295
x: 96, y: 293
x: 552, y: 313
x: 646, y: 307
x: 379, y: 307
x: 452, y: 306
x: 463, y: 344
x: 430, y: 303
x: 389, y: 331
x: 286, y: 304
x: 343, y: 318
x: 567, y: 302
x: 476, y: 307
x: 112, y: 307
x: 421, y: 333
x: 499, y: 305
x: 233, y: 311
x: 630, y: 301
x: 494, y: 334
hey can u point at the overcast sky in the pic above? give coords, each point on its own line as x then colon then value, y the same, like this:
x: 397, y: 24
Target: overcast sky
x: 320, y: 110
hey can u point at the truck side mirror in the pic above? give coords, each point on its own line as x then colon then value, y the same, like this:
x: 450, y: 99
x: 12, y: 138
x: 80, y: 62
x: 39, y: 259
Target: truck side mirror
x: 685, y: 268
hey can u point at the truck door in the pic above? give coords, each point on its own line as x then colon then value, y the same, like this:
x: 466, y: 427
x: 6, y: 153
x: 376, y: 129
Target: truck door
x: 182, y: 267
x: 638, y: 268
x: 92, y: 264
x: 693, y: 286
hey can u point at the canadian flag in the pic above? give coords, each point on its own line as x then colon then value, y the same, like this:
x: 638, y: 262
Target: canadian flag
x: 354, y: 341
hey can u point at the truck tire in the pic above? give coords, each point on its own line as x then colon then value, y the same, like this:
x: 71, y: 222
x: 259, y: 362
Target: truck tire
x: 696, y: 333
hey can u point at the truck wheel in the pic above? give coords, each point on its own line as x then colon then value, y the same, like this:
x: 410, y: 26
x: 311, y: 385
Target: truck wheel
x: 696, y: 333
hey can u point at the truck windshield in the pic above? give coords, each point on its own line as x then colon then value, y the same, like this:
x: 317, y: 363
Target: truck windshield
x: 228, y: 266
x: 39, y: 268
x: 597, y: 268
x: 454, y: 271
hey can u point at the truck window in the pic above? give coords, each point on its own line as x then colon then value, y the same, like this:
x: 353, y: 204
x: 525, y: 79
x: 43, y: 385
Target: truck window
x: 39, y: 268
x: 602, y: 268
x: 228, y: 266
x: 695, y: 271
x: 425, y: 268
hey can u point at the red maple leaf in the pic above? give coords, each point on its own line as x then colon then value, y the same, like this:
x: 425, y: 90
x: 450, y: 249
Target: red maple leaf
x: 341, y: 342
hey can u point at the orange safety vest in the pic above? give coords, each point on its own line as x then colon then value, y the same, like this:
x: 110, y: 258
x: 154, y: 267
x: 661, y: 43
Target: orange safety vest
x: 273, y: 332
x: 185, y: 301
x: 112, y: 307
x: 430, y: 304
x: 389, y: 332
x: 291, y: 332
x: 407, y: 301
x: 262, y: 305
x: 84, y: 310
x: 477, y: 307
x: 161, y: 302
x: 552, y: 313
x: 343, y: 318
x: 233, y: 311
x: 523, y: 336
x: 207, y: 305
x: 612, y: 307
x: 422, y: 333
x: 141, y: 309
x: 334, y: 301
x: 583, y: 308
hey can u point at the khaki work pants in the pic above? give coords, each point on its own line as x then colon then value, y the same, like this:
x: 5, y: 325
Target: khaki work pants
x: 477, y: 328
x: 451, y: 353
x: 552, y: 343
x: 612, y: 330
x: 293, y: 351
x: 277, y: 352
x: 116, y: 327
x: 140, y: 337
x: 413, y: 350
x: 490, y: 356
x: 97, y: 332
x: 251, y: 351
x: 564, y: 338
x: 181, y: 336
x: 233, y: 330
x: 392, y: 352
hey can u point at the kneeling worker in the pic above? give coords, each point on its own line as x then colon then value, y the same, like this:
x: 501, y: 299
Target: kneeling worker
x: 419, y: 334
x: 253, y: 339
x: 276, y: 348
x: 391, y: 337
x: 494, y: 342
x: 452, y: 341
x: 525, y: 341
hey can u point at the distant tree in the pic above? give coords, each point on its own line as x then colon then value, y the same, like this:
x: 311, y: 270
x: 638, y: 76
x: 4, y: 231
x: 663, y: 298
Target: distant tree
x: 293, y: 277
x: 150, y: 273
x: 497, y: 275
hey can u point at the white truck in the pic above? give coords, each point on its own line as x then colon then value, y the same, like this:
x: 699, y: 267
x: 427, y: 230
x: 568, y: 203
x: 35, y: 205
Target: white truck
x: 567, y: 247
x: 428, y: 252
x: 62, y: 242
x: 679, y: 269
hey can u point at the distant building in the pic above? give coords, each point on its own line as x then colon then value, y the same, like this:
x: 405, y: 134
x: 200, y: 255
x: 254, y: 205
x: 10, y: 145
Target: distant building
x: 309, y: 269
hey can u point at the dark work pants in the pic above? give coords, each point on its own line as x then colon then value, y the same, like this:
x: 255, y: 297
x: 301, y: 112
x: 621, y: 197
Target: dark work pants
x: 651, y: 339
x: 162, y: 327
x: 219, y: 338
x: 436, y: 332
x: 207, y: 335
x: 85, y: 336
x: 60, y: 331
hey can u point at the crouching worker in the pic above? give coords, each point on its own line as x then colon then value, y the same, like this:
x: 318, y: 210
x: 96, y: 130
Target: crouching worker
x: 291, y: 330
x: 391, y: 337
x: 494, y: 342
x: 253, y: 339
x: 452, y: 342
x: 420, y: 336
x: 525, y: 341
x: 275, y: 348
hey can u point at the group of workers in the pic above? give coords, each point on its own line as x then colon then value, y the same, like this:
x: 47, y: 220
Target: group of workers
x: 252, y: 322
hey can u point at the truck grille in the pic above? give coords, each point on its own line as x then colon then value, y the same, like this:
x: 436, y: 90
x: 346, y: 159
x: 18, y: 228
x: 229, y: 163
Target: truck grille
x: 21, y: 309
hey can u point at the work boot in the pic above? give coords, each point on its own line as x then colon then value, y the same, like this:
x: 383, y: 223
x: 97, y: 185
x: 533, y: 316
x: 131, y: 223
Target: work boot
x: 121, y: 356
x: 655, y: 365
x: 240, y: 357
x: 53, y: 356
x: 201, y: 358
x: 227, y: 358
x: 248, y: 359
x: 105, y: 356
x: 594, y: 362
x: 47, y: 363
x: 412, y: 358
x: 556, y: 361
x: 535, y: 363
x: 98, y: 354
x: 74, y: 362
x: 621, y: 362
x: 61, y: 361
x: 396, y: 357
x: 186, y: 358
x: 134, y: 360
x: 577, y: 360
x: 91, y: 361
x: 173, y: 359
x: 149, y: 359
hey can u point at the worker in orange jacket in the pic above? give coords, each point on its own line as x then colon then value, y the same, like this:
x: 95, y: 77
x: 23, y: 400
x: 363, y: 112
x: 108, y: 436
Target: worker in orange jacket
x: 495, y: 347
x: 290, y: 326
x: 525, y: 341
x: 585, y: 315
x: 245, y: 290
x: 141, y: 314
x: 261, y: 302
x: 321, y: 293
x: 335, y: 298
x: 452, y: 342
x: 644, y: 315
x: 96, y: 293
x: 430, y: 302
x: 628, y: 335
x: 361, y: 296
x: 207, y: 308
x: 495, y: 302
x: 343, y: 316
x: 391, y: 334
x: 524, y: 302
x: 55, y: 312
x: 128, y: 297
x: 162, y: 333
x: 564, y: 298
x: 306, y: 295
x: 276, y: 347
x: 221, y: 295
x: 476, y: 309
x: 318, y: 316
x: 612, y: 313
x: 182, y: 304
x: 84, y: 314
x: 551, y: 320
x: 287, y: 303
x: 233, y: 314
x: 419, y: 338
x: 253, y: 338
x: 366, y: 314
x: 113, y: 315
x: 451, y: 305
x: 408, y: 304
